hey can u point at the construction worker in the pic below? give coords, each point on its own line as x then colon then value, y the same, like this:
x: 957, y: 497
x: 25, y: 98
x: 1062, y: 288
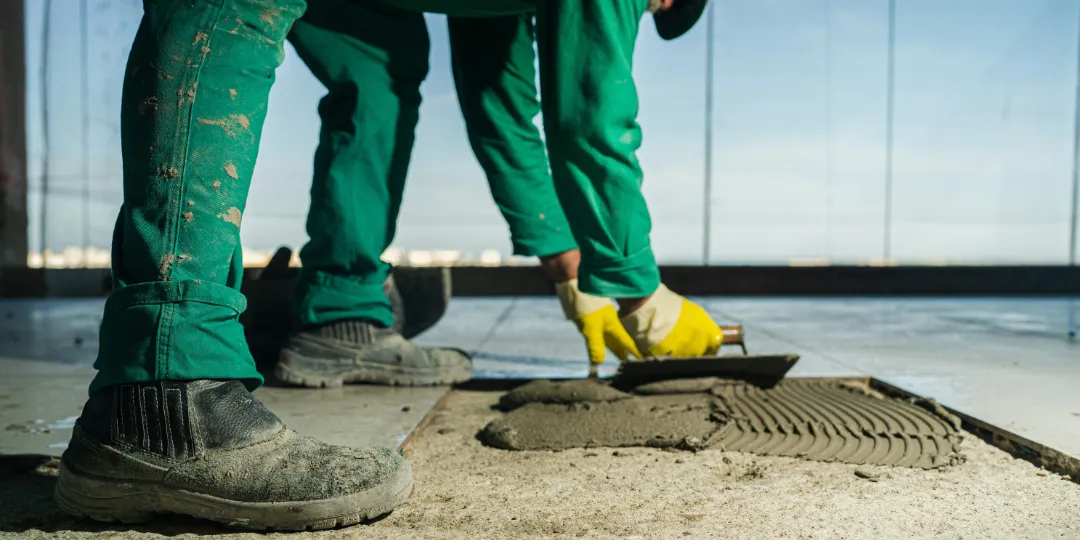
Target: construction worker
x: 170, y: 424
x: 360, y: 170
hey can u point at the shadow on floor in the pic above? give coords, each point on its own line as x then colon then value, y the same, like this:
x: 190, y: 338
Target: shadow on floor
x: 26, y: 504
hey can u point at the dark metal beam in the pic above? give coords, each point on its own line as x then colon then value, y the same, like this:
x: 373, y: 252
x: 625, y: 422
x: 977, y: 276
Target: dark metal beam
x: 476, y: 281
x: 13, y: 222
x: 805, y: 281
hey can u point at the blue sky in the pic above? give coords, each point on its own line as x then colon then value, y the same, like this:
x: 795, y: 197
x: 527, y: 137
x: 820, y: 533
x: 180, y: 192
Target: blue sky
x: 982, y: 151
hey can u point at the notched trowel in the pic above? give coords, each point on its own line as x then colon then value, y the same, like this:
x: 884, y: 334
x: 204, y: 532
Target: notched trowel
x: 760, y: 369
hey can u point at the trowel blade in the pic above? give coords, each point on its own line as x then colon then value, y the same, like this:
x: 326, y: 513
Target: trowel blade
x: 765, y: 369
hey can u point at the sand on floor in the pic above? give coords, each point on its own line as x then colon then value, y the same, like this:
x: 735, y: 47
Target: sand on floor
x: 468, y: 491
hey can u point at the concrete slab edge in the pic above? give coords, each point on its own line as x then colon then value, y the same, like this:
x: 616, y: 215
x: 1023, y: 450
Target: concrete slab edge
x: 425, y: 420
x: 1019, y: 447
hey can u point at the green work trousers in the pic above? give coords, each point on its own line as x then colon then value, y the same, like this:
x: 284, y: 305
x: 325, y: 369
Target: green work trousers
x: 372, y: 58
x: 380, y: 52
x: 589, y: 103
x: 590, y: 108
x: 194, y: 101
x: 494, y: 67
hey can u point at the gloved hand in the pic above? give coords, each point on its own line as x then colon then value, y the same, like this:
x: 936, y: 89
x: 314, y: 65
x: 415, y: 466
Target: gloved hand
x: 598, y: 321
x: 669, y: 325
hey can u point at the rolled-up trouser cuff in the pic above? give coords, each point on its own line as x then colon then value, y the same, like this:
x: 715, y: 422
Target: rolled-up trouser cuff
x: 633, y: 277
x: 323, y: 298
x: 537, y: 224
x: 178, y: 331
x: 543, y: 245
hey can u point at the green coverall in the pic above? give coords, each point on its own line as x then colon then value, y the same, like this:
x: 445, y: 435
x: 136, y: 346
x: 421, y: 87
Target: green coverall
x: 194, y: 101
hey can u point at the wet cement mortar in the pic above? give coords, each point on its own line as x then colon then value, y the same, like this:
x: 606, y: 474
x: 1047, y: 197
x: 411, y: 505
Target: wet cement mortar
x: 816, y: 420
x: 467, y: 490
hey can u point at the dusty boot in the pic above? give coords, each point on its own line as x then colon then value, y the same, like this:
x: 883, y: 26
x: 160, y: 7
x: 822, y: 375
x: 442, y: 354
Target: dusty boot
x: 209, y: 449
x: 359, y: 352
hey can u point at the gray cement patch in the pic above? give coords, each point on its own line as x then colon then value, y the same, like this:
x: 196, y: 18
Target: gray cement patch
x: 681, y: 421
x: 572, y: 391
x: 811, y: 419
x: 678, y: 386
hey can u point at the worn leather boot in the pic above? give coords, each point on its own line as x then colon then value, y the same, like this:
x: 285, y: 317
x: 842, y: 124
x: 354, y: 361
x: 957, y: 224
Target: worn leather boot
x: 353, y: 351
x: 209, y: 449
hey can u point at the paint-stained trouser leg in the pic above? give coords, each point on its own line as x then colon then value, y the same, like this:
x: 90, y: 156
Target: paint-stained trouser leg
x: 372, y: 58
x: 494, y: 71
x: 590, y: 108
x: 159, y: 435
x: 194, y: 101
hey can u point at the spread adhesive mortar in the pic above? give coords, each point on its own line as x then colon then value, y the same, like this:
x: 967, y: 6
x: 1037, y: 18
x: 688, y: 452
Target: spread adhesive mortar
x: 810, y: 419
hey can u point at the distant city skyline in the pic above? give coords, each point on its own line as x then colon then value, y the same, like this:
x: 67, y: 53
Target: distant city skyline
x: 96, y: 257
x: 982, y: 156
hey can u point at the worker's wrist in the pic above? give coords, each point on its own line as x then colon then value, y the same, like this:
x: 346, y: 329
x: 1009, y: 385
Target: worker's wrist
x: 576, y: 303
x: 561, y: 267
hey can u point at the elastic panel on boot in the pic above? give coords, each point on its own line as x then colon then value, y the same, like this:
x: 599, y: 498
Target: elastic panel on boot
x: 351, y: 331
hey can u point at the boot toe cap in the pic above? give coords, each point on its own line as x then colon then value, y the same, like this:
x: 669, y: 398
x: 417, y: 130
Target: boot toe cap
x: 291, y: 468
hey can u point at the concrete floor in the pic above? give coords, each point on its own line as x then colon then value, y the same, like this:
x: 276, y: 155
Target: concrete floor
x: 1005, y: 361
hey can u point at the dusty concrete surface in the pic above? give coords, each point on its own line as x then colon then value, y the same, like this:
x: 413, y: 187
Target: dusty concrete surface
x: 812, y: 419
x: 468, y: 491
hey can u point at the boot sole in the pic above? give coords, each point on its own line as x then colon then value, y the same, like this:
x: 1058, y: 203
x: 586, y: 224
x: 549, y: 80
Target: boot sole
x: 126, y: 501
x: 290, y: 369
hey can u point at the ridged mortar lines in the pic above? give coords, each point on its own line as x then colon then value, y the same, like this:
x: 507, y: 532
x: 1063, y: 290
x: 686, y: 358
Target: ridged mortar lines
x: 811, y: 419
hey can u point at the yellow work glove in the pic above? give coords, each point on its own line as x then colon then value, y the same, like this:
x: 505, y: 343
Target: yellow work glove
x: 598, y: 322
x: 669, y: 325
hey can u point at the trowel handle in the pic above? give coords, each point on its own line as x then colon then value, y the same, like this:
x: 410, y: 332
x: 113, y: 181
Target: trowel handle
x: 733, y: 335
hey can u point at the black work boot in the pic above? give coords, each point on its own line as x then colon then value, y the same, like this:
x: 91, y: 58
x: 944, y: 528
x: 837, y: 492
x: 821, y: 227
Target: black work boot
x: 355, y: 351
x: 209, y: 449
